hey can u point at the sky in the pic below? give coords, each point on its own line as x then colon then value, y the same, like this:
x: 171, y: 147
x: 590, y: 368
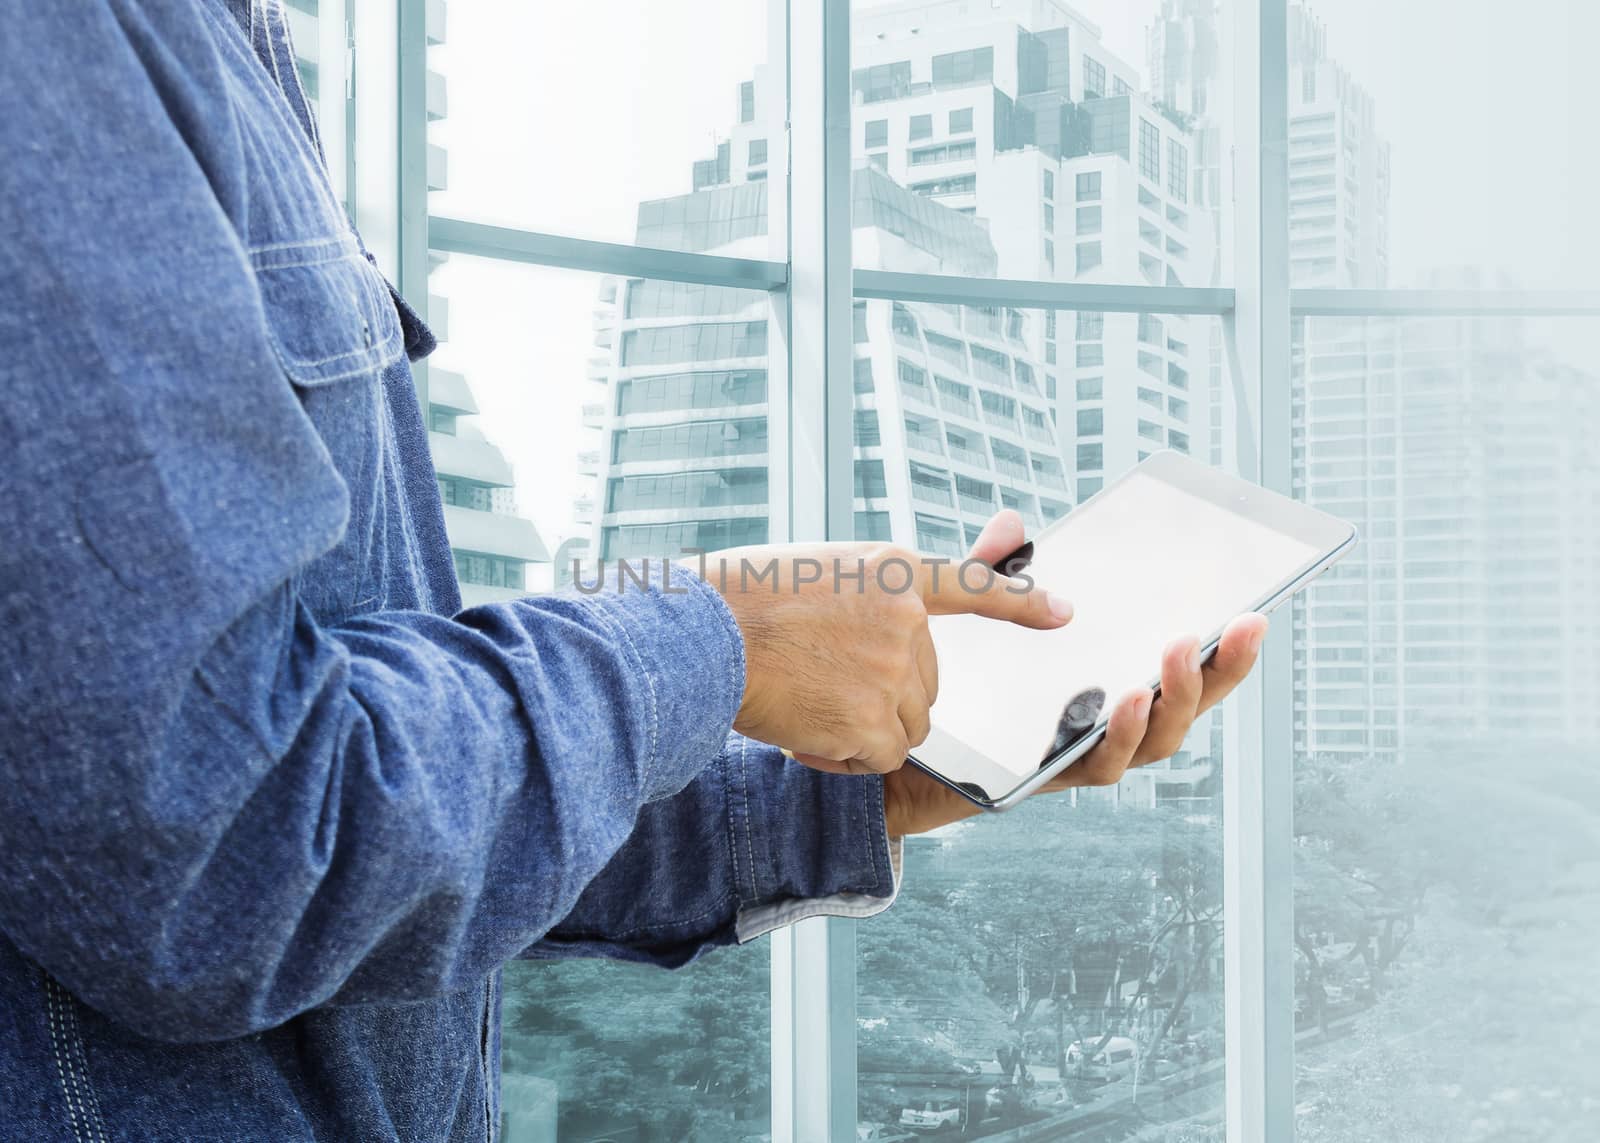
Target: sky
x: 562, y: 117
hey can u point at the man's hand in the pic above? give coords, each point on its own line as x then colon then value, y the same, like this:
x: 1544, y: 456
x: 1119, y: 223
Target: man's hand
x: 1140, y: 730
x: 839, y: 668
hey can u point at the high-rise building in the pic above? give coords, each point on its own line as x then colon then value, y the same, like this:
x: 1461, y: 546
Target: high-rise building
x: 985, y: 142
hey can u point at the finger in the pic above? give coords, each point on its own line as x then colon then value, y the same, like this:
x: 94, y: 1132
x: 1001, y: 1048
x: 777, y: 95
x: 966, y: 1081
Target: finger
x: 1235, y: 655
x: 975, y: 589
x: 928, y: 666
x: 1001, y: 536
x: 1173, y: 712
x: 883, y: 751
x: 1107, y: 762
x: 913, y: 713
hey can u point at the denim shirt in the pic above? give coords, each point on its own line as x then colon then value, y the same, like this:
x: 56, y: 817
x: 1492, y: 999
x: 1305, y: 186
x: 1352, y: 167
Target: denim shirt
x: 274, y: 811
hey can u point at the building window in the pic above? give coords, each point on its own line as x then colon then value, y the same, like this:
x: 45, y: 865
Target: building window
x: 1150, y: 432
x: 877, y: 133
x: 879, y: 161
x: 747, y: 102
x: 1091, y: 388
x: 489, y: 571
x: 1088, y: 220
x: 1119, y: 86
x: 1088, y: 256
x: 1091, y: 353
x: 1091, y: 325
x: 758, y: 152
x: 1177, y: 170
x: 1049, y: 217
x: 1091, y: 422
x: 882, y: 81
x: 958, y: 184
x: 863, y: 375
x: 870, y: 482
x: 1050, y: 254
x: 956, y: 68
x: 1149, y: 150
x: 867, y: 433
x: 1088, y: 486
x: 1094, y: 78
x: 1091, y: 457
x: 872, y: 526
x: 1089, y: 186
x: 1049, y: 184
x: 1178, y: 440
x: 961, y: 121
x: 921, y: 127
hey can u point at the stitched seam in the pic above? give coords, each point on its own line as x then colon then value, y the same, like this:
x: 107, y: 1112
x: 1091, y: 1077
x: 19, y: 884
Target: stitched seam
x: 611, y: 623
x: 68, y: 1087
x: 74, y: 1035
x: 724, y: 764
x: 584, y: 934
x: 744, y: 794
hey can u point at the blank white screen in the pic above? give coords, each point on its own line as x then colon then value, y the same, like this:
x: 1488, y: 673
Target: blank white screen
x: 1143, y: 564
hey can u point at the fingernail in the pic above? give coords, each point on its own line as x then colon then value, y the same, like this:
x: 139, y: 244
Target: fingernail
x: 1193, y: 658
x: 1059, y: 607
x: 1255, y: 640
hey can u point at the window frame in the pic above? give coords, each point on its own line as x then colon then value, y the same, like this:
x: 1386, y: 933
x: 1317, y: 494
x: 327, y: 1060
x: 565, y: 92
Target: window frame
x: 811, y: 287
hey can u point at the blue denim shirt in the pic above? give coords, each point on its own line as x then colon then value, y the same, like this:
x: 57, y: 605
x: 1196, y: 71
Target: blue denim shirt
x: 273, y: 810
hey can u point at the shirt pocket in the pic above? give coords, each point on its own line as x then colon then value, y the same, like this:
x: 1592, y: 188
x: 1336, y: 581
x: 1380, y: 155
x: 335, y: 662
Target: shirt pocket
x: 328, y: 312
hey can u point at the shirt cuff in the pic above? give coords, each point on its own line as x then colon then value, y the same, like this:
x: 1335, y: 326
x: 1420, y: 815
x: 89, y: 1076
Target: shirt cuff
x: 806, y: 843
x: 676, y: 633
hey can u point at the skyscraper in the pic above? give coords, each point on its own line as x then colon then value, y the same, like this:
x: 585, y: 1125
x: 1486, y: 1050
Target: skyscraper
x: 986, y: 143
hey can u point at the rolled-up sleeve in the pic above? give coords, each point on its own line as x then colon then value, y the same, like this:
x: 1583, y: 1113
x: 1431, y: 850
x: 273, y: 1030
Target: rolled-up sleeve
x: 755, y: 842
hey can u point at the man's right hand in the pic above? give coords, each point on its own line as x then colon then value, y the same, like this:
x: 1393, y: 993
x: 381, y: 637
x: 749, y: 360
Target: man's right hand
x: 839, y: 670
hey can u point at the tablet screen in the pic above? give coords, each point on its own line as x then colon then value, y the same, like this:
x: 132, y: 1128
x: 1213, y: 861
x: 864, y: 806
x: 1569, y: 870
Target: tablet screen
x: 1143, y: 563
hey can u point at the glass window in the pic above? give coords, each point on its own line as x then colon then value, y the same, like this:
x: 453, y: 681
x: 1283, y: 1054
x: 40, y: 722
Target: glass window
x: 921, y: 126
x: 1091, y: 457
x: 961, y: 121
x: 1049, y: 184
x: 877, y: 133
x: 955, y: 69
x: 758, y: 152
x: 1088, y: 256
x: 561, y: 453
x: 1460, y: 439
x: 1088, y: 186
x: 1091, y: 422
x: 608, y: 165
x: 1177, y: 170
x: 1090, y: 388
x: 1149, y: 150
x: 1088, y: 220
x: 1094, y: 78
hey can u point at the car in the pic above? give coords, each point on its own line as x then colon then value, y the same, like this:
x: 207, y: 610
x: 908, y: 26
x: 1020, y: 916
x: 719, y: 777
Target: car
x: 1114, y: 1061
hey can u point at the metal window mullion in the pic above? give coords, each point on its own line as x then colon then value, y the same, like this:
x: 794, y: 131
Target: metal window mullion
x: 411, y: 152
x: 813, y: 962
x: 1444, y: 303
x: 1258, y: 778
x: 535, y: 248
x: 1031, y: 294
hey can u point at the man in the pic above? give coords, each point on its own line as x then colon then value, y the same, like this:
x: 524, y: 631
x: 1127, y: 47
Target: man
x: 274, y: 814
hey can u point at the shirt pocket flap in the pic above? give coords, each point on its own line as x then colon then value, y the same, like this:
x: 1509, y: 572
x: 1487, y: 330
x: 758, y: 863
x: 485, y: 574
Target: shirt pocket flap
x: 329, y: 314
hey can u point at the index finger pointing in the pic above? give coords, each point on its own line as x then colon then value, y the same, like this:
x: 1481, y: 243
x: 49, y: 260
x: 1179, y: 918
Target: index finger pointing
x: 977, y: 589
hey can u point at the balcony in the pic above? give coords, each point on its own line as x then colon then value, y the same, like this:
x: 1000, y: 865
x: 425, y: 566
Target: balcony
x: 939, y: 494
